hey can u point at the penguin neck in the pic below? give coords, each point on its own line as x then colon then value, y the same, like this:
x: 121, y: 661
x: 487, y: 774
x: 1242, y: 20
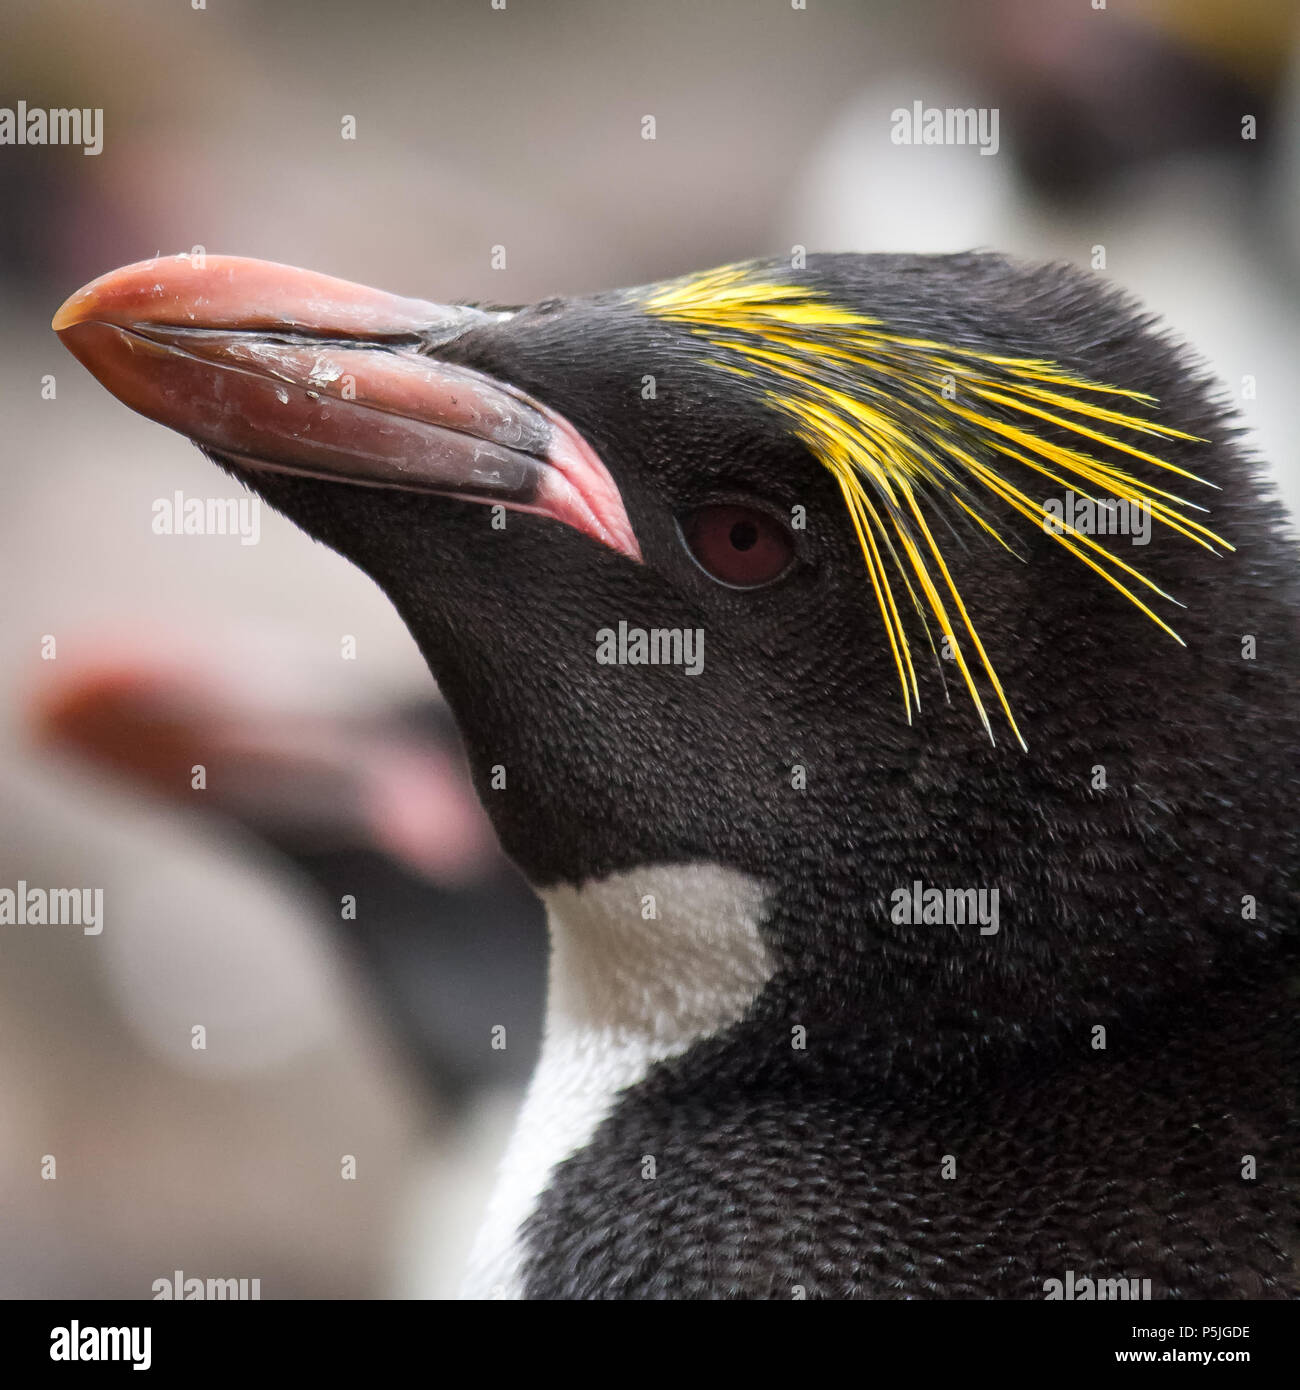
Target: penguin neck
x: 644, y: 964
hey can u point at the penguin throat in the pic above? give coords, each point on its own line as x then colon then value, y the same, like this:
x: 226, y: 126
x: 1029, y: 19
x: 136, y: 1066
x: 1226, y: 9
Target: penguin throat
x: 644, y: 965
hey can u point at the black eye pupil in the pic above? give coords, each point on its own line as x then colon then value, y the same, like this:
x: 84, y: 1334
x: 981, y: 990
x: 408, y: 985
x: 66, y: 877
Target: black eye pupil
x: 744, y: 535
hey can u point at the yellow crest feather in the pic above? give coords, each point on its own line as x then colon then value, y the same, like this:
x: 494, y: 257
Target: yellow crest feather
x: 897, y: 420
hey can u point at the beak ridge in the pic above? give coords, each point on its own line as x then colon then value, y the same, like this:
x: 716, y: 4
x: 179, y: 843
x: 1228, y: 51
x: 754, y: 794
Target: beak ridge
x: 238, y: 292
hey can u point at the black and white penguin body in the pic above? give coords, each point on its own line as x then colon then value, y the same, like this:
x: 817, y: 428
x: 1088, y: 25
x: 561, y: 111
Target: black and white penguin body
x: 918, y: 846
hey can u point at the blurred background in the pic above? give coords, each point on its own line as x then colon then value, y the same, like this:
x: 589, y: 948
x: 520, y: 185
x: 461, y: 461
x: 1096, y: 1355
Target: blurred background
x: 127, y: 656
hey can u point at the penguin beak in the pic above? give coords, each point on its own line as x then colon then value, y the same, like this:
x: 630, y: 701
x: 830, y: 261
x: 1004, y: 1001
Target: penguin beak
x: 274, y: 368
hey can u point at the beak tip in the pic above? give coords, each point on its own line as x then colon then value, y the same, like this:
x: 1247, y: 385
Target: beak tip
x: 81, y: 306
x: 67, y: 314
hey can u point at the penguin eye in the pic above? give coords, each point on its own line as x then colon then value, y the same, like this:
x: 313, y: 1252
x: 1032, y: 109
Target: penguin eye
x: 741, y: 547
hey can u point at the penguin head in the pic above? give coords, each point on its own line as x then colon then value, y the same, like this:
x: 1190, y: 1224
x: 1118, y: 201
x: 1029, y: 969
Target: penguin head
x: 757, y: 567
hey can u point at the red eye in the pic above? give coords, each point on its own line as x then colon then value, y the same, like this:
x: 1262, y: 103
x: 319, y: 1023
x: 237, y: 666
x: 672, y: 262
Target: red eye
x: 739, y: 546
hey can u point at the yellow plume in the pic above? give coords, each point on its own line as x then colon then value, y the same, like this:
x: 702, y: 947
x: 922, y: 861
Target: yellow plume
x: 900, y: 420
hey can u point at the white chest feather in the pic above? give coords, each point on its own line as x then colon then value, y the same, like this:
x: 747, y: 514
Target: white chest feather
x: 644, y: 964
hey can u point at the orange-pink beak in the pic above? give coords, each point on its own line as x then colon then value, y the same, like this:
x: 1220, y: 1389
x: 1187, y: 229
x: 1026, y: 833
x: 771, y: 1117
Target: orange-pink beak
x: 277, y: 368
